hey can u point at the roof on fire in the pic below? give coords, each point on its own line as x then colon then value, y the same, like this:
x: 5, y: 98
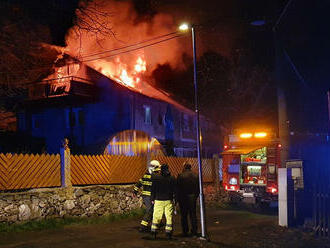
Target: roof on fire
x: 146, y: 89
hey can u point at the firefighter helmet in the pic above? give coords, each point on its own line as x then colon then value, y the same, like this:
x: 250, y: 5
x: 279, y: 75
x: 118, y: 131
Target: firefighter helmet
x: 153, y: 164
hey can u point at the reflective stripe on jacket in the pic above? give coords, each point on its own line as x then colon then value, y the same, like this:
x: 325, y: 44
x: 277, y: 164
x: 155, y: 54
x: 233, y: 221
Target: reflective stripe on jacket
x: 144, y: 184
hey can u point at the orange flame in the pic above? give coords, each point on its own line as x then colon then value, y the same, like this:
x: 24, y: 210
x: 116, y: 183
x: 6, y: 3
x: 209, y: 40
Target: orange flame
x: 120, y: 71
x: 140, y: 65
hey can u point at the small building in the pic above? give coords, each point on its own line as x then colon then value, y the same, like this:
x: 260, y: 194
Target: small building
x: 91, y: 110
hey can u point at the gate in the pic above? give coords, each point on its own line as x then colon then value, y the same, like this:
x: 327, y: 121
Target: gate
x: 312, y: 204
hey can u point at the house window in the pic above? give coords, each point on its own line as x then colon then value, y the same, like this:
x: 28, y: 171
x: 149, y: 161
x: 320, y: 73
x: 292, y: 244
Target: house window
x: 21, y: 122
x: 36, y: 121
x: 186, y: 122
x: 74, y: 117
x: 70, y: 119
x: 160, y: 119
x: 81, y: 117
x: 147, y: 114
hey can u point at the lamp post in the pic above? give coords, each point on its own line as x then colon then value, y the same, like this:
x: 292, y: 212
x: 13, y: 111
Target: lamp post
x: 185, y: 27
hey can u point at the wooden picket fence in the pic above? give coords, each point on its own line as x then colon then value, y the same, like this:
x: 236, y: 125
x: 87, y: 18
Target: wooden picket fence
x: 106, y: 169
x: 176, y: 166
x: 25, y: 171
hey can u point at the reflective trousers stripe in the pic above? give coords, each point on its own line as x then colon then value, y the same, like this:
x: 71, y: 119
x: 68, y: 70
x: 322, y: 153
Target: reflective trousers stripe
x: 144, y: 223
x: 154, y: 227
x: 168, y: 227
x: 161, y: 208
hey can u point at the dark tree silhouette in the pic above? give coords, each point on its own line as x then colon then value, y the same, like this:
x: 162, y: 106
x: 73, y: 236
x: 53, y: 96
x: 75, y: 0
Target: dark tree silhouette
x: 229, y: 91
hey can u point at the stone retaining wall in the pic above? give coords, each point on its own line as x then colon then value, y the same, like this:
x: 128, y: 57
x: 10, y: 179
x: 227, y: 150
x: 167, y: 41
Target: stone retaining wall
x: 84, y: 201
x: 47, y: 203
x: 213, y: 196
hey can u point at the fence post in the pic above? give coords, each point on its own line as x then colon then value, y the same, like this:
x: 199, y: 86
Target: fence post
x: 65, y: 164
x: 285, y: 203
x: 216, y: 173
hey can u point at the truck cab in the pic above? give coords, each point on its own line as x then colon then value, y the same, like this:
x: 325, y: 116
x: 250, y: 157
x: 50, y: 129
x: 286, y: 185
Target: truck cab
x: 250, y: 163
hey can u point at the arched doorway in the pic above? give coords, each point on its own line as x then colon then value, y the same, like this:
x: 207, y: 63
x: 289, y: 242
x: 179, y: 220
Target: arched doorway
x: 133, y: 143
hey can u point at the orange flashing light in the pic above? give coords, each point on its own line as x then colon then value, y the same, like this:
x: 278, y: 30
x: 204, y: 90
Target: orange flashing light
x: 245, y: 135
x: 260, y: 135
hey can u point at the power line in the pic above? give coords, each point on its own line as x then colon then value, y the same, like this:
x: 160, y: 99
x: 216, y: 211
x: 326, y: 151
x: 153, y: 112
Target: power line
x: 112, y: 50
x: 134, y: 49
x: 108, y: 56
x: 120, y: 48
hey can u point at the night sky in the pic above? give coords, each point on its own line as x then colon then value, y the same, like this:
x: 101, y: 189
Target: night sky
x: 226, y: 30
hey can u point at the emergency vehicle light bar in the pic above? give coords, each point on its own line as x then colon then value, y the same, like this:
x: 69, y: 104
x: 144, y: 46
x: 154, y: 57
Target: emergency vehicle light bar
x: 260, y: 135
x: 245, y: 135
x: 256, y: 135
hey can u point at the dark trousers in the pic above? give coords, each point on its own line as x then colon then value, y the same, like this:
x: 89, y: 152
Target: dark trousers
x: 147, y: 218
x: 188, y: 207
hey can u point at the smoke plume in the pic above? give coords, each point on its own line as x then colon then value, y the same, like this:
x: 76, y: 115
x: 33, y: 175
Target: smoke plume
x: 108, y: 25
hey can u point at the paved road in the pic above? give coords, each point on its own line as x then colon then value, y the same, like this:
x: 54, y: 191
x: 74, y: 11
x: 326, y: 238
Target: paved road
x: 226, y: 228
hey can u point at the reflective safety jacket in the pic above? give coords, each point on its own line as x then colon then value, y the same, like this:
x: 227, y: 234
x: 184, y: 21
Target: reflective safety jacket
x: 144, y: 185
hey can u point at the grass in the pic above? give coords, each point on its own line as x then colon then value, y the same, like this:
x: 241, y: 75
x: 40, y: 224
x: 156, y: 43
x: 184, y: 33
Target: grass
x: 62, y: 222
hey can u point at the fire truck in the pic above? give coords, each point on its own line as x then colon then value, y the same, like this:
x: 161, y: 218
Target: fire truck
x: 250, y: 163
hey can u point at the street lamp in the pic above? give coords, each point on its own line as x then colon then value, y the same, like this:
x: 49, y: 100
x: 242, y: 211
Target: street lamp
x: 185, y: 27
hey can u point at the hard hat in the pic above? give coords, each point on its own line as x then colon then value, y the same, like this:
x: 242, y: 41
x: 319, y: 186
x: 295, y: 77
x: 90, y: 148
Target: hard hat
x: 154, y: 163
x: 152, y: 166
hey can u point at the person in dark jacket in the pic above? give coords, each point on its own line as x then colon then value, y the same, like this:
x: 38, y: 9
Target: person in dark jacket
x: 144, y: 186
x: 163, y: 194
x: 187, y: 194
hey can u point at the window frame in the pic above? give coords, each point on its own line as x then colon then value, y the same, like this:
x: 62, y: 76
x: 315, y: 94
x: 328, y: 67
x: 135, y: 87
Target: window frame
x: 147, y: 114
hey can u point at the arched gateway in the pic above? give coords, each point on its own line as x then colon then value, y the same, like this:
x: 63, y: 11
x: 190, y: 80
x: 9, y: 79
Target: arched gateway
x: 133, y: 143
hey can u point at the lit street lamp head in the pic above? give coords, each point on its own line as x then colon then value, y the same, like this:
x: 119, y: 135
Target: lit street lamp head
x: 184, y: 27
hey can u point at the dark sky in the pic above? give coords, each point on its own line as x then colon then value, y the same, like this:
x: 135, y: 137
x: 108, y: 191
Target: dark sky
x: 58, y: 15
x: 303, y: 31
x: 234, y: 15
x: 303, y: 36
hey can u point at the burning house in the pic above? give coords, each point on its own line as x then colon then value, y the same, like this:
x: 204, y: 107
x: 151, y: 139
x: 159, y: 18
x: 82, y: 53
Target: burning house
x: 114, y: 113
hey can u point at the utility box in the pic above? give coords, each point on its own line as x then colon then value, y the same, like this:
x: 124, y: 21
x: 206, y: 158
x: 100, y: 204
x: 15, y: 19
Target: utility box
x: 297, y: 174
x: 290, y: 185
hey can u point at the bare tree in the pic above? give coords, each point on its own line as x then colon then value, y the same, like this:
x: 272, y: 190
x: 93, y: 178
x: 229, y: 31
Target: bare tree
x: 92, y: 18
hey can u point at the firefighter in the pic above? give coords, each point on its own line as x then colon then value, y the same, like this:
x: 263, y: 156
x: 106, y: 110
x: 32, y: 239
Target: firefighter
x: 162, y: 195
x: 144, y: 185
x: 188, y: 191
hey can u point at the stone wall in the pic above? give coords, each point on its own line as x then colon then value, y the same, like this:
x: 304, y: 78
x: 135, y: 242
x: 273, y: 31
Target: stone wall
x: 84, y: 201
x: 47, y: 203
x: 214, y: 196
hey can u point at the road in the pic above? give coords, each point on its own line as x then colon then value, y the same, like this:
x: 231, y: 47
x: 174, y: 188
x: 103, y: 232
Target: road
x: 226, y: 228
